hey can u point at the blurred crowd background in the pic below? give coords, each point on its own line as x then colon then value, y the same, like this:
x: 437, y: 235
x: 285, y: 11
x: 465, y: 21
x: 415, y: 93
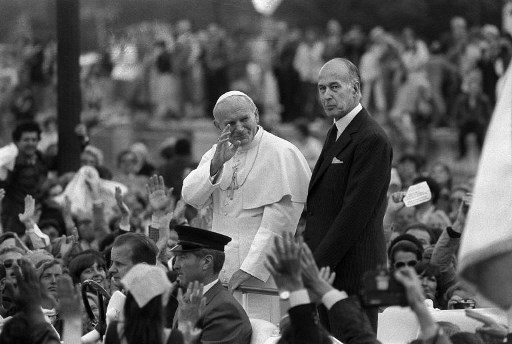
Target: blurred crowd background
x: 151, y: 72
x: 429, y: 70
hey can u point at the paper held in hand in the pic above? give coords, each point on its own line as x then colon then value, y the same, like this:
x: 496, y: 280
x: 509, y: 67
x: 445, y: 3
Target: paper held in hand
x: 417, y: 194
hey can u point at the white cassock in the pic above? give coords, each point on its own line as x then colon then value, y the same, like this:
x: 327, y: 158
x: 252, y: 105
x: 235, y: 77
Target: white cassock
x: 259, y: 193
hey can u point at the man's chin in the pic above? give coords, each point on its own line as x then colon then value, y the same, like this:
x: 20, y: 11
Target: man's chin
x: 334, y: 113
x: 243, y: 140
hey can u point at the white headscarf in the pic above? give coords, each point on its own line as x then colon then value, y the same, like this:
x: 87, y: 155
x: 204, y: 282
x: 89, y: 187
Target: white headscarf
x: 146, y: 281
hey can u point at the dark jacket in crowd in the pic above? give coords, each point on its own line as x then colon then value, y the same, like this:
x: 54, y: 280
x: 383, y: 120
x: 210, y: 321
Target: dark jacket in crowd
x: 25, y: 179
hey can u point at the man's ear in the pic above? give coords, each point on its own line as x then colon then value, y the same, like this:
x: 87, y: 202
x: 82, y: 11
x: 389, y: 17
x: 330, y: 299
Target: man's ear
x: 257, y: 115
x: 208, y: 261
x: 357, y: 88
x: 2, y: 284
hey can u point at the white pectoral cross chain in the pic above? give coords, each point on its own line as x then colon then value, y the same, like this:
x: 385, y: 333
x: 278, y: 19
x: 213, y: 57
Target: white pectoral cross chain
x: 234, y: 180
x: 234, y: 183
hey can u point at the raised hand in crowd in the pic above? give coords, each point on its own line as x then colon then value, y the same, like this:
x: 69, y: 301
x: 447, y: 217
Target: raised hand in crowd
x: 318, y: 282
x: 27, y: 218
x: 395, y: 204
x: 191, y: 306
x: 160, y: 198
x: 284, y: 264
x: 125, y: 211
x: 69, y: 243
x: 162, y: 203
x: 462, y: 213
x: 396, y: 201
x: 70, y: 309
x: 415, y: 298
x: 224, y: 150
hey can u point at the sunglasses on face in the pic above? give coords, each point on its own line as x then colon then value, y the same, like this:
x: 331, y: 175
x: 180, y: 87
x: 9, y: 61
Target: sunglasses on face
x: 8, y: 263
x: 411, y: 263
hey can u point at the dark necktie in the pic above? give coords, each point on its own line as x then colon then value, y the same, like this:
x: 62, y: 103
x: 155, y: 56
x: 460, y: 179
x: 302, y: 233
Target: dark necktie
x: 331, y: 139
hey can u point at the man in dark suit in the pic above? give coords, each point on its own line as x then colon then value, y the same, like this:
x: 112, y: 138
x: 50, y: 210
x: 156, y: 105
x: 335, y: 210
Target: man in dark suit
x: 200, y: 257
x: 347, y: 191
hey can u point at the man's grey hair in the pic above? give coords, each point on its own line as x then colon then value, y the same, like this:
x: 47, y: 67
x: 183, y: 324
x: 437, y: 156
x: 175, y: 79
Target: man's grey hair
x: 353, y: 71
x: 218, y: 258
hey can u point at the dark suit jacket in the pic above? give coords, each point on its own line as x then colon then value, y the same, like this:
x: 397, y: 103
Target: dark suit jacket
x: 347, y: 201
x: 304, y: 328
x: 346, y: 315
x: 351, y: 323
x: 173, y: 172
x: 224, y: 320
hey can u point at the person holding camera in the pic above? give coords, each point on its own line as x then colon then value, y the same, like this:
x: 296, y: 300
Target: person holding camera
x: 294, y: 270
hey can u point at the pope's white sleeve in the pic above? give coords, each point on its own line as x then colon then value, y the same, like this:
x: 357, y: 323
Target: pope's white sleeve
x: 278, y: 218
x: 197, y: 186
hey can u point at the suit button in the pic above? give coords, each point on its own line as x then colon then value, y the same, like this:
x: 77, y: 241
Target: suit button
x: 310, y: 212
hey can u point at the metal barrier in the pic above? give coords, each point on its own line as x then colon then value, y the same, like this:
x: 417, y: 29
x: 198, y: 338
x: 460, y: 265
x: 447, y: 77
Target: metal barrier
x: 103, y: 297
x: 246, y: 290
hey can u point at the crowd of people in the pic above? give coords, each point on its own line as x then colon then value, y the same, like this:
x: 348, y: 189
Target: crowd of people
x: 169, y: 246
x: 174, y: 72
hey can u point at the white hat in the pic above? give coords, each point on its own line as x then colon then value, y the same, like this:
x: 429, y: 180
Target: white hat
x: 231, y: 94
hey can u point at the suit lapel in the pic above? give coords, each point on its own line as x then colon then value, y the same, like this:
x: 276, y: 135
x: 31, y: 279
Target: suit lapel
x: 340, y: 144
x: 210, y: 294
x: 326, y: 156
x: 322, y: 154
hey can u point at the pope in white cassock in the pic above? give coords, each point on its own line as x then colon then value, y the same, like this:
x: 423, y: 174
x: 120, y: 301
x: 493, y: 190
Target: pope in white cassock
x: 257, y: 184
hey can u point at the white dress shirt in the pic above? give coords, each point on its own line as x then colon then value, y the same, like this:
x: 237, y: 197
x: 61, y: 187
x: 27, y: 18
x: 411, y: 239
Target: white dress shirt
x: 209, y: 286
x: 344, y: 121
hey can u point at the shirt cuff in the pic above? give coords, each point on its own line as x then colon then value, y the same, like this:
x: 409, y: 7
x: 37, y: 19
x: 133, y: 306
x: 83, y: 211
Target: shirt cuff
x: 453, y: 234
x: 125, y: 228
x: 299, y: 297
x: 332, y: 297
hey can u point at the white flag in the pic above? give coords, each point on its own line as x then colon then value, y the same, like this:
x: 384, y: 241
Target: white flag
x: 485, y: 256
